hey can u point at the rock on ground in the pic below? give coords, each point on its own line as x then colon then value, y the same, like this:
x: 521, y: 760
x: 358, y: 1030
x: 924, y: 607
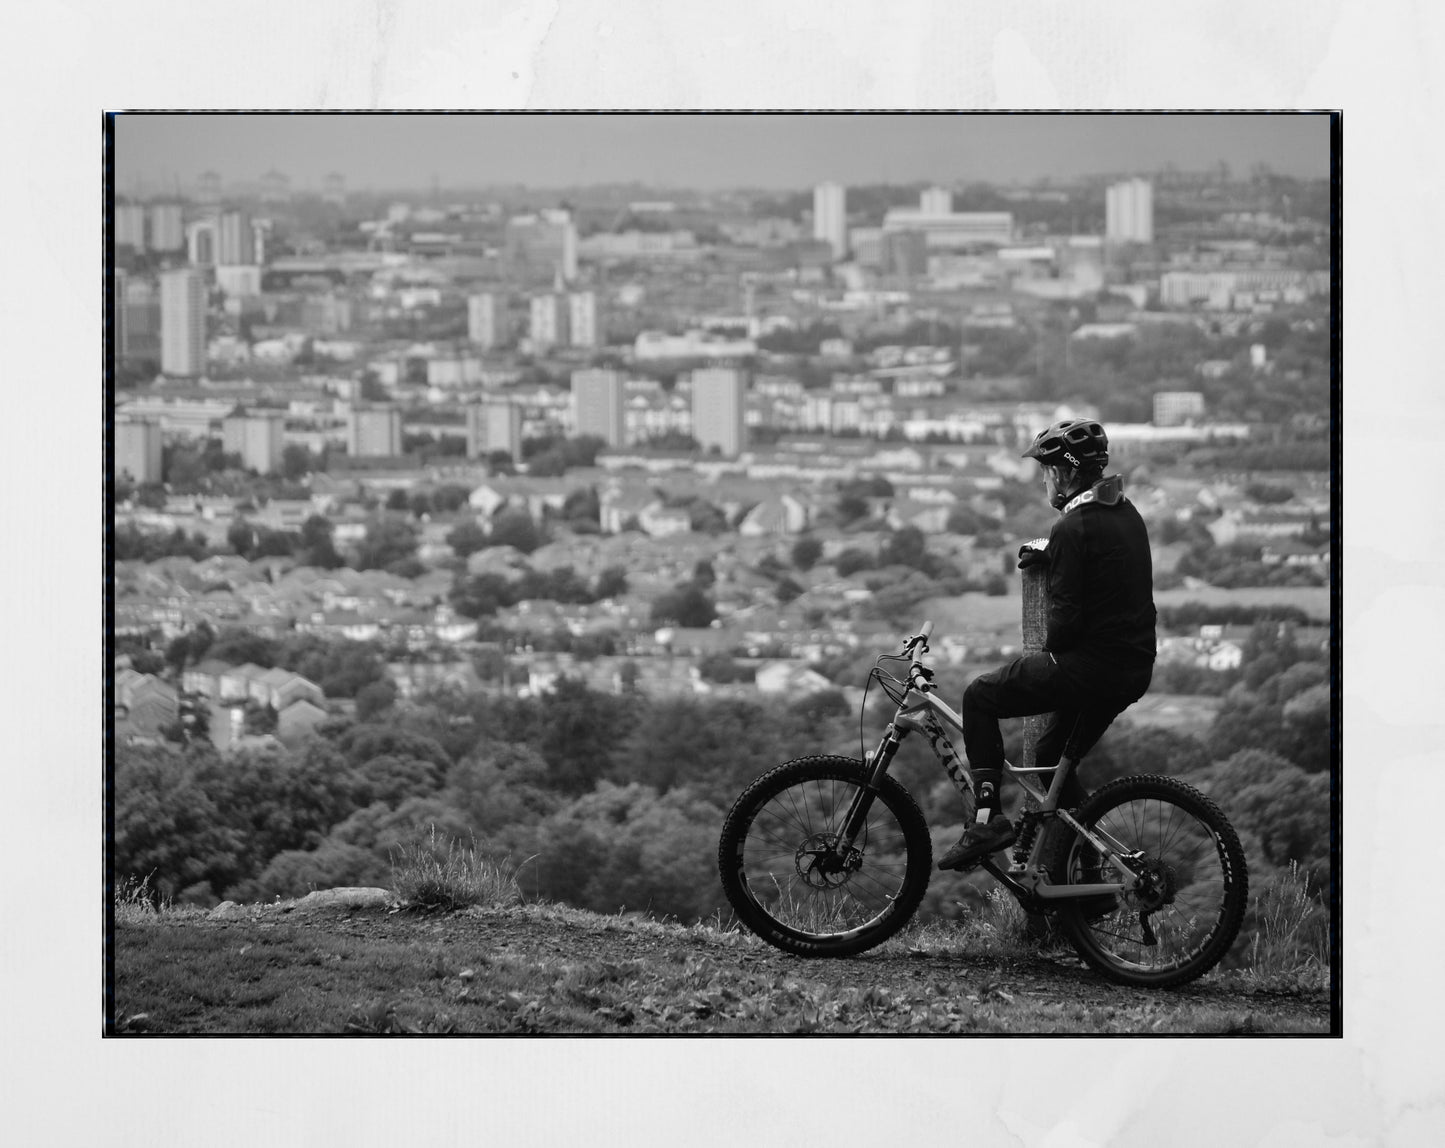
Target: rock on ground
x: 348, y: 899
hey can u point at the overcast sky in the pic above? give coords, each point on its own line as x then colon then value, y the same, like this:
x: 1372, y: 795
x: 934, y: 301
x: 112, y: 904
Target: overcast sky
x: 702, y: 151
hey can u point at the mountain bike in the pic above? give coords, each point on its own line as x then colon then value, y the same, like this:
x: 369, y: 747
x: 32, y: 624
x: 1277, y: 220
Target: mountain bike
x: 829, y: 856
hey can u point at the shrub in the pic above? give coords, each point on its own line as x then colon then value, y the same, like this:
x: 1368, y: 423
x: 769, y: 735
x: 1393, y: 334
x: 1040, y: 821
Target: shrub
x: 438, y: 872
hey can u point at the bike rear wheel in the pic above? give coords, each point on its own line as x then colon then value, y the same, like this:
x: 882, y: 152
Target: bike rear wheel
x: 1184, y: 918
x: 788, y: 882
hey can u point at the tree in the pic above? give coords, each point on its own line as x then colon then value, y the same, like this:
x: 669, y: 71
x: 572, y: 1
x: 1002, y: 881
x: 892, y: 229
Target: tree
x: 850, y: 508
x: 387, y: 540
x: 514, y: 527
x: 374, y: 699
x: 611, y: 583
x: 201, y: 640
x: 1290, y: 814
x: 272, y: 801
x: 393, y: 778
x: 260, y: 718
x: 449, y: 498
x: 467, y: 538
x: 582, y: 505
x: 371, y: 389
x: 490, y: 663
x: 722, y: 668
x: 339, y: 666
x: 147, y: 662
x: 626, y: 846
x: 897, y: 602
x: 167, y: 827
x: 963, y: 519
x: 296, y: 461
x: 317, y: 547
x: 241, y: 537
x: 581, y: 735
x: 552, y: 457
x: 1247, y: 767
x: 152, y: 496
x: 818, y: 707
x: 193, y: 720
x: 705, y: 518
x: 499, y: 786
x: 382, y: 829
x: 627, y: 675
x: 481, y: 595
x: 686, y: 604
x: 1149, y: 749
x: 851, y: 561
x: 806, y: 551
x: 276, y: 544
x: 712, y: 747
x: 237, y: 646
x: 1307, y: 719
x: 905, y: 547
x: 361, y: 743
x: 1268, y: 493
x: 178, y: 652
x: 332, y: 864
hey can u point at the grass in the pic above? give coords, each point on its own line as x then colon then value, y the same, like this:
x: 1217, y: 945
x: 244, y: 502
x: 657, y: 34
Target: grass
x: 137, y: 902
x: 438, y: 873
x: 1289, y: 949
x: 176, y: 972
x: 1000, y: 929
x: 567, y: 970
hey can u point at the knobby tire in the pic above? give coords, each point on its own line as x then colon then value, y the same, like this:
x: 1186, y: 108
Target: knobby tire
x: 779, y: 827
x: 1202, y: 883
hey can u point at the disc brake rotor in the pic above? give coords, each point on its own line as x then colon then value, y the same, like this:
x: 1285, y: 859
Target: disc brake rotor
x: 821, y: 866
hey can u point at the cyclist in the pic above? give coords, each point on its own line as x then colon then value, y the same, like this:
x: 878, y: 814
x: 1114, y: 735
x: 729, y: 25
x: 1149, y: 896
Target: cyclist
x: 1098, y: 655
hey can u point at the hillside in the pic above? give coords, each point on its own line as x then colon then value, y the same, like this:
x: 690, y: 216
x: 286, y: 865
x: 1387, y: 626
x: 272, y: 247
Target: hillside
x: 550, y: 969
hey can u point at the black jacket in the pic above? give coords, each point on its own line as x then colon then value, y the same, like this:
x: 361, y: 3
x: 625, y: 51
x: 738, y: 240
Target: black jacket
x: 1101, y: 587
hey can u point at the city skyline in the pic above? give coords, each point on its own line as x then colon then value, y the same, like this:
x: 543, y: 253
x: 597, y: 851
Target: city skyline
x: 156, y: 153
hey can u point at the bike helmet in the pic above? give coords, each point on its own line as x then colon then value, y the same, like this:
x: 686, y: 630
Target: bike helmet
x: 1077, y: 443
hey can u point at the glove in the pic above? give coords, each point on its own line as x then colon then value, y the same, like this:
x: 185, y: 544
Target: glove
x: 1032, y: 553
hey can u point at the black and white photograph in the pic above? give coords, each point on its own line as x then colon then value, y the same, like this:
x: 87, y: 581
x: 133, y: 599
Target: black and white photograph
x: 659, y: 565
x: 715, y: 574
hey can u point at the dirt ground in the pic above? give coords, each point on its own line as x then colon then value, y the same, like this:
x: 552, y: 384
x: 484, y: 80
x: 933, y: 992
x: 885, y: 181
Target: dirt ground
x: 547, y: 969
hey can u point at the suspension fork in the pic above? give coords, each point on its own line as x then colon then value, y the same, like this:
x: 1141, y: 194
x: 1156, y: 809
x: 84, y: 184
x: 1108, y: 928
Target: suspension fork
x: 876, y: 768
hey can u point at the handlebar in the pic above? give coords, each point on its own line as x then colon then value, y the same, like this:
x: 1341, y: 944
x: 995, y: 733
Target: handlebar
x: 920, y: 638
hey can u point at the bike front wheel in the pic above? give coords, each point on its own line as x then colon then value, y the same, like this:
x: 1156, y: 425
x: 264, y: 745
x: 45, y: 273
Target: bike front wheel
x: 1189, y: 904
x: 790, y: 881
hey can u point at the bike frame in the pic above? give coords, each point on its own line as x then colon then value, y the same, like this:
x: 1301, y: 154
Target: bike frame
x: 923, y: 711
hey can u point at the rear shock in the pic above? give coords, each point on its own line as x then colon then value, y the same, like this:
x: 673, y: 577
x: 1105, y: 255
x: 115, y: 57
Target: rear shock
x: 1028, y: 830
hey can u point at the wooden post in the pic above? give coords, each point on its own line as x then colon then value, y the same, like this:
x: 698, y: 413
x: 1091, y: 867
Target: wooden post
x: 1035, y: 628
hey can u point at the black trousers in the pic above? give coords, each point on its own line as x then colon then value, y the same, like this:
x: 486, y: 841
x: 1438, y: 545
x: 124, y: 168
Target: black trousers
x: 1082, y: 707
